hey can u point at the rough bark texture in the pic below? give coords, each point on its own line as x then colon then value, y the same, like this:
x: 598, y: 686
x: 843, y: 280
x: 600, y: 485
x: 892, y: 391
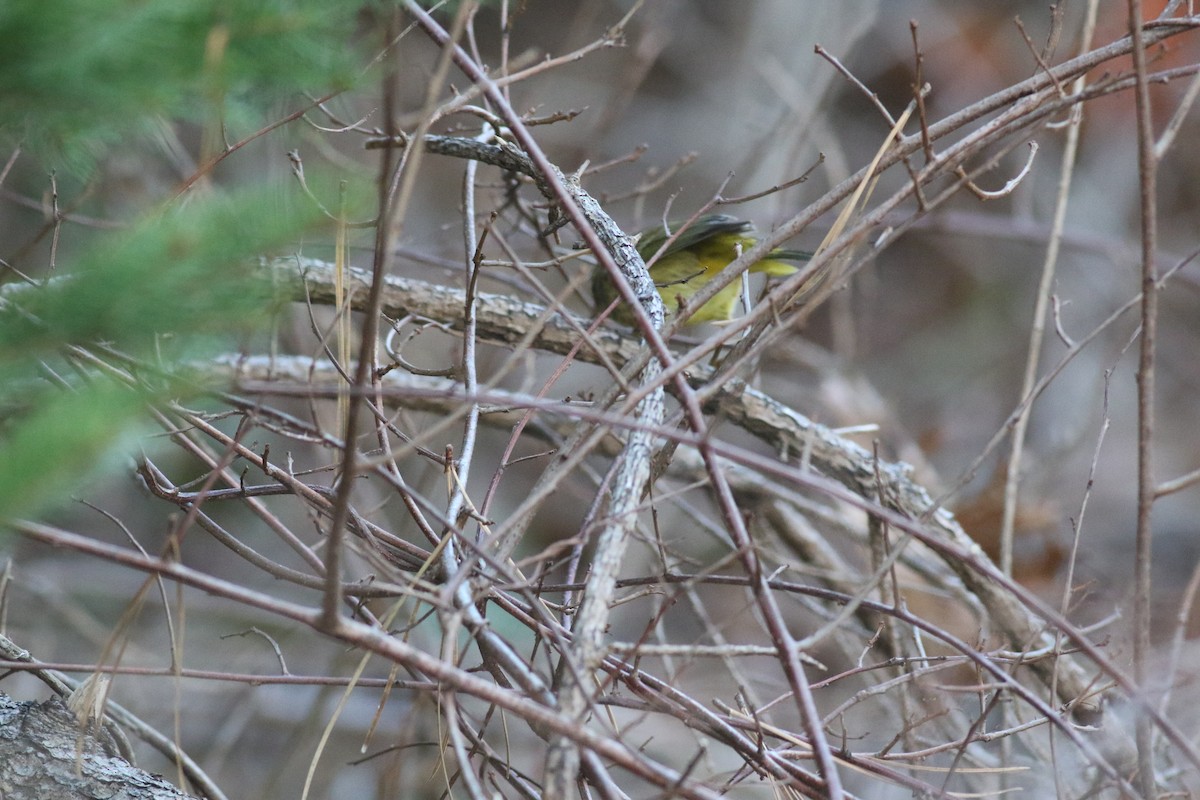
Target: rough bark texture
x: 45, y: 755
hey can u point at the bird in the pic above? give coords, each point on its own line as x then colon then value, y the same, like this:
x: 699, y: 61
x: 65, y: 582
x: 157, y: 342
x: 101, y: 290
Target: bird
x: 698, y: 253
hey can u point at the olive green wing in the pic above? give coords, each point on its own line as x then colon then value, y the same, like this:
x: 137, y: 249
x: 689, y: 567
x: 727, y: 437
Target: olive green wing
x: 705, y: 227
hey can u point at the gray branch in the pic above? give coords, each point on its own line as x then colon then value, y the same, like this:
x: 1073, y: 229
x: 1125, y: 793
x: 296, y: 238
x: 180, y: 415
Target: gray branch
x: 46, y: 755
x: 507, y: 321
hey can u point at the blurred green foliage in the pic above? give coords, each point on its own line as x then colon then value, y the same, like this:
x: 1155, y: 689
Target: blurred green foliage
x: 83, y: 78
x: 81, y: 74
x: 189, y: 271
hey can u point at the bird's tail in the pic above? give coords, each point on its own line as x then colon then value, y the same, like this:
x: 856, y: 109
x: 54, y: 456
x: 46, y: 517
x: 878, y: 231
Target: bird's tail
x: 777, y: 264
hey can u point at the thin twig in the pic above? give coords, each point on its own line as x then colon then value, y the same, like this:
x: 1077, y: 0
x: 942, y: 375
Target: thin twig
x: 1147, y: 183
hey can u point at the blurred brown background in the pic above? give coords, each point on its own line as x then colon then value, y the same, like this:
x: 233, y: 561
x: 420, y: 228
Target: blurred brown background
x: 929, y: 341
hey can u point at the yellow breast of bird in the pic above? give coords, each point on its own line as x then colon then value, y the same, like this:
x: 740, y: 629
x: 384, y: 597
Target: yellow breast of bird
x: 679, y: 276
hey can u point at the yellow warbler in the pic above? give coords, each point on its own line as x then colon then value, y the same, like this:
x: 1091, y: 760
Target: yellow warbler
x: 701, y: 251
